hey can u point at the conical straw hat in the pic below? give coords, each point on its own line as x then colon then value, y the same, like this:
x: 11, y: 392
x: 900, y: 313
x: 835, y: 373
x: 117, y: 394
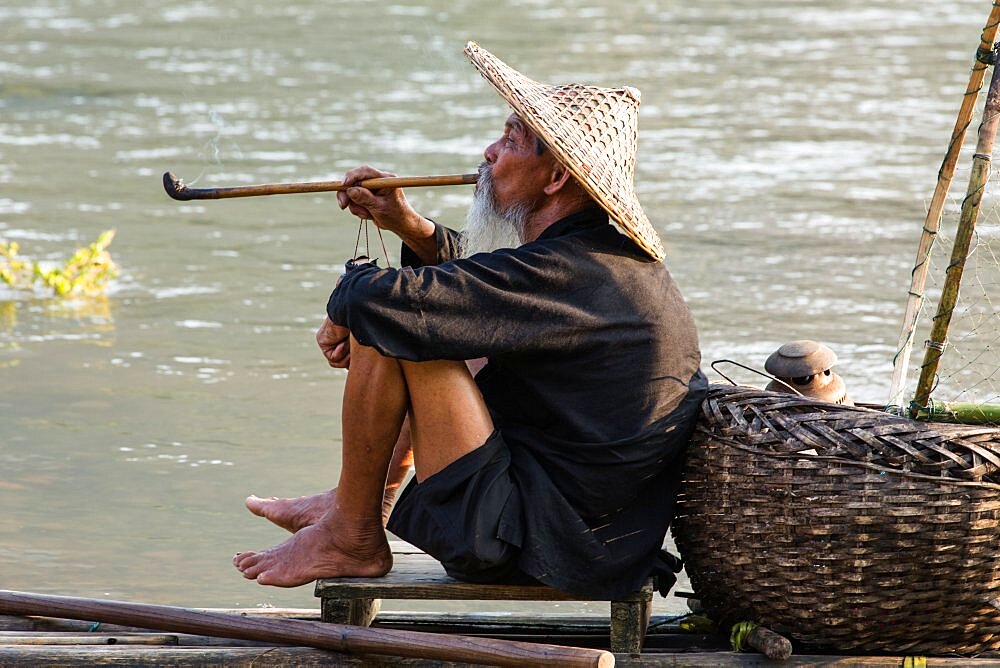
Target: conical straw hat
x: 590, y: 130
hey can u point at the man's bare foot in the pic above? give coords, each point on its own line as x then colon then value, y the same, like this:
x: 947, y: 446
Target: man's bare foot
x: 303, y: 511
x: 293, y: 514
x: 325, y: 549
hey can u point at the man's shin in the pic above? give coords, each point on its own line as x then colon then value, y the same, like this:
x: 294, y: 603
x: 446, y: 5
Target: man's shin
x: 375, y: 404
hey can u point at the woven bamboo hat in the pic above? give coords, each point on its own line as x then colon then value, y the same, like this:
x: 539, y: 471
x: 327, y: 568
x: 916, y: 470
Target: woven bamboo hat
x: 592, y: 131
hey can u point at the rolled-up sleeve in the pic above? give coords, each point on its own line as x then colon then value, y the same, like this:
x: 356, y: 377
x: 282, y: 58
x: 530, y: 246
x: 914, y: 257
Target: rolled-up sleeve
x: 449, y: 244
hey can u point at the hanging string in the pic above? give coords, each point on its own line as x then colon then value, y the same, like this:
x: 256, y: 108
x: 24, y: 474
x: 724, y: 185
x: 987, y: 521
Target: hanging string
x: 385, y: 253
x: 357, y: 242
x: 363, y: 223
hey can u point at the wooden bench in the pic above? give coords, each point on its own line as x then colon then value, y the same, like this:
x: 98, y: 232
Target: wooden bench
x: 416, y: 575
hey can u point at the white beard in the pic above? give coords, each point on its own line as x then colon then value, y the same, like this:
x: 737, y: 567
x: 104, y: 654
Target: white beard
x: 486, y: 227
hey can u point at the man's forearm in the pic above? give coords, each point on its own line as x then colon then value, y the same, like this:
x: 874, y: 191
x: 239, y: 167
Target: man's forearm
x: 421, y: 237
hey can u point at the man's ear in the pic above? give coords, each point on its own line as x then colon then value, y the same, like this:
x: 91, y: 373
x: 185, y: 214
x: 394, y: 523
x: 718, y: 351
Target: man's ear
x: 558, y: 179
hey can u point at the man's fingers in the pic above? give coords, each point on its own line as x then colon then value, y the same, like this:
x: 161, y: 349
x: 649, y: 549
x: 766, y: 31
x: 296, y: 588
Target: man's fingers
x: 335, y: 343
x: 351, y: 178
x: 359, y: 174
x: 360, y: 202
x: 361, y: 212
x: 338, y: 351
x: 361, y: 196
x: 340, y: 356
x: 332, y: 348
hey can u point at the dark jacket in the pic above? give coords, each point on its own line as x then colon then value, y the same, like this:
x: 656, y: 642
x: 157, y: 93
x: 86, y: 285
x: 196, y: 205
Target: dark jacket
x: 593, y: 379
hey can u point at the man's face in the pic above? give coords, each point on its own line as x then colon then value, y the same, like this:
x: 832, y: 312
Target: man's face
x: 510, y: 189
x: 520, y: 172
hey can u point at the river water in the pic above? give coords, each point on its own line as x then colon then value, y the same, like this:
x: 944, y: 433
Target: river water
x: 787, y: 151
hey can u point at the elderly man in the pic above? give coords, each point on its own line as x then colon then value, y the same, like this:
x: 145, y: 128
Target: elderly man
x: 559, y: 460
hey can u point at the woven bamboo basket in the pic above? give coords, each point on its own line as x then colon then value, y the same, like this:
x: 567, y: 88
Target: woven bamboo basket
x: 844, y: 528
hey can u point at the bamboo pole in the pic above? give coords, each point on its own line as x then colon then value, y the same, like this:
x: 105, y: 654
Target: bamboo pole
x: 933, y: 219
x: 338, y: 637
x: 772, y: 645
x: 177, y: 190
x: 154, y: 639
x: 959, y: 412
x: 282, y: 657
x: 963, y: 240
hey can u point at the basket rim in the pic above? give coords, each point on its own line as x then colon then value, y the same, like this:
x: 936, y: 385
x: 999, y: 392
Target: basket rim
x: 727, y: 409
x: 715, y: 438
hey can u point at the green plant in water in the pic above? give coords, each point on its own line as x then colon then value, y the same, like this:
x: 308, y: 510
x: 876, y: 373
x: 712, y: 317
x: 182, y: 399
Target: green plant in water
x: 87, y: 273
x: 14, y: 271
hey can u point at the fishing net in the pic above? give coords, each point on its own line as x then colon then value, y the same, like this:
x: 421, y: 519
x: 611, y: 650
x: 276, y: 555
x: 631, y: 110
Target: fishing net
x: 969, y: 366
x: 958, y: 270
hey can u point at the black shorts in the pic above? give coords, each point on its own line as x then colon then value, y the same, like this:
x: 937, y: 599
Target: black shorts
x: 459, y: 514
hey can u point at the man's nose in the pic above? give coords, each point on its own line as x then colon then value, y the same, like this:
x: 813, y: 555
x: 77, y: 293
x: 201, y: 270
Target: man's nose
x: 491, y: 153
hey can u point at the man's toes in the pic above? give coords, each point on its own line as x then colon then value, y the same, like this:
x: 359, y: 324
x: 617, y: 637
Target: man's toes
x: 266, y: 577
x: 276, y: 577
x: 251, y: 571
x: 242, y: 560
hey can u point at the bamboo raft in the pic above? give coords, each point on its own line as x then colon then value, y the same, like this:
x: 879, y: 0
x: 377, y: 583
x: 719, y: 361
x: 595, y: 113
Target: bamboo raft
x: 47, y: 641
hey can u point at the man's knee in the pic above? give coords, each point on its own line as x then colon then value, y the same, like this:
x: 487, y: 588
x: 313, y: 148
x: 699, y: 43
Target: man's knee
x: 440, y: 380
x: 409, y: 367
x: 368, y: 354
x: 433, y: 366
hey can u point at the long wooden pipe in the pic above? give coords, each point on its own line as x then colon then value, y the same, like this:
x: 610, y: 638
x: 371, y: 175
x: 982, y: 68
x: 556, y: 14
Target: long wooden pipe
x: 338, y: 637
x: 176, y: 188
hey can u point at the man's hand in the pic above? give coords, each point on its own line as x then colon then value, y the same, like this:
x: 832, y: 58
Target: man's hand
x: 387, y: 208
x: 335, y: 342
